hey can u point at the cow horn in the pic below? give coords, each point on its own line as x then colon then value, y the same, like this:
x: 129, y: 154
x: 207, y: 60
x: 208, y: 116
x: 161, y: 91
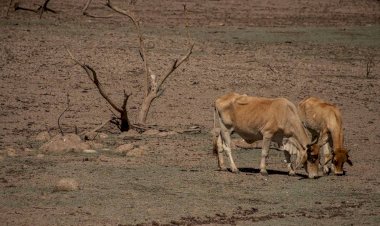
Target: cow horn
x: 315, y: 141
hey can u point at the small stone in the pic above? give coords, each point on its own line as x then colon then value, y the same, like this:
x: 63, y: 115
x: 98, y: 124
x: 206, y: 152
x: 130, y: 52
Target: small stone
x: 124, y: 148
x: 103, y: 136
x: 67, y: 184
x: 136, y: 152
x: 11, y: 152
x: 129, y: 133
x: 89, y: 151
x: 40, y: 156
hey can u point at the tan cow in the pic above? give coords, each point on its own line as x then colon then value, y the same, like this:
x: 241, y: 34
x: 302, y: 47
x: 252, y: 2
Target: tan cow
x: 325, y: 121
x: 256, y: 118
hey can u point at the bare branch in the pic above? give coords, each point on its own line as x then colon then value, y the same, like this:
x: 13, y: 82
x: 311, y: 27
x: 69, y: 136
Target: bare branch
x: 94, y: 78
x: 175, y: 65
x: 18, y: 7
x: 44, y: 8
x: 86, y: 6
x: 130, y: 15
x: 96, y: 128
x: 124, y: 125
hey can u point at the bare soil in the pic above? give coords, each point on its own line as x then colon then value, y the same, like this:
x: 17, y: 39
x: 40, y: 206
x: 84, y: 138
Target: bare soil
x: 292, y: 49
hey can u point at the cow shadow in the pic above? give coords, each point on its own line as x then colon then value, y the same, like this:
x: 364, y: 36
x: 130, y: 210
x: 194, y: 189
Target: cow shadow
x: 249, y: 170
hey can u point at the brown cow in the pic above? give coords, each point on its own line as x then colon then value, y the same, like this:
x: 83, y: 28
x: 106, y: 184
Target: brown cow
x: 256, y: 118
x: 325, y: 121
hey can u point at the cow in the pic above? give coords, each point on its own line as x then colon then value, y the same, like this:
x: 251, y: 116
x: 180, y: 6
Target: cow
x: 258, y: 118
x: 324, y: 120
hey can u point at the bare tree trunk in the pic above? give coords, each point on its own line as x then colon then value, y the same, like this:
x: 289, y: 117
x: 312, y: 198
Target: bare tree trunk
x: 145, y: 106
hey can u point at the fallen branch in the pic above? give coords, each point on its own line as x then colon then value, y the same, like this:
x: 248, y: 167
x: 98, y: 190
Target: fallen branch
x: 96, y: 128
x: 40, y: 10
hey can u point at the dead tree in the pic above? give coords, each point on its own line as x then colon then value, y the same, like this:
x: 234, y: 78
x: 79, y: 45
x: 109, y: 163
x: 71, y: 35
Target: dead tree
x: 153, y: 83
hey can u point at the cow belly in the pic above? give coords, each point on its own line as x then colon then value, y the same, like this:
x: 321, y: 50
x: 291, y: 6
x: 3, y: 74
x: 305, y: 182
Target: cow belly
x: 249, y: 136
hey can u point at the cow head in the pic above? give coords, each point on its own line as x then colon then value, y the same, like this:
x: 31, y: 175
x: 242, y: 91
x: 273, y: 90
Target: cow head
x: 311, y: 164
x: 339, y: 157
x: 309, y: 158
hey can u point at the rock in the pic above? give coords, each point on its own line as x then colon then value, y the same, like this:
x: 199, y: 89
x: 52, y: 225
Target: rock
x: 67, y: 184
x: 95, y: 136
x: 29, y: 151
x: 40, y: 156
x: 136, y: 152
x: 151, y: 132
x: 68, y: 142
x: 103, y: 136
x: 124, y: 148
x: 11, y: 152
x: 130, y: 133
x: 43, y: 136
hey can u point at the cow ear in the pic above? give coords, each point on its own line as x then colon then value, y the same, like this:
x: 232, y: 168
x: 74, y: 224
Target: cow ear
x: 349, y: 162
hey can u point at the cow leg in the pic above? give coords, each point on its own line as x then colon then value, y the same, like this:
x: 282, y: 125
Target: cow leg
x: 226, y: 137
x: 327, y: 157
x: 264, y: 155
x: 289, y: 163
x: 220, y: 154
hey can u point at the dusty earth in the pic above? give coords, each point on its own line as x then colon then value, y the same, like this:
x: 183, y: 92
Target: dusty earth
x: 293, y: 49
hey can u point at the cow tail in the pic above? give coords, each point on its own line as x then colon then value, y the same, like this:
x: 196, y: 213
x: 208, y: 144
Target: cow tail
x: 215, y: 135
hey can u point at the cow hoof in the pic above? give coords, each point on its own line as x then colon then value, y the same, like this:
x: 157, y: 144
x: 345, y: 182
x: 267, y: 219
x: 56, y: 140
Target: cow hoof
x: 264, y: 173
x: 222, y: 169
x: 235, y: 171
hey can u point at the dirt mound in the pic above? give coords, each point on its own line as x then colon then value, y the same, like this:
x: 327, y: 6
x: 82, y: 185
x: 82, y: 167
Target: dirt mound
x: 68, y: 142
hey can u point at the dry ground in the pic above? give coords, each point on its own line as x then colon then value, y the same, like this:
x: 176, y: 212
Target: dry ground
x: 293, y: 49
